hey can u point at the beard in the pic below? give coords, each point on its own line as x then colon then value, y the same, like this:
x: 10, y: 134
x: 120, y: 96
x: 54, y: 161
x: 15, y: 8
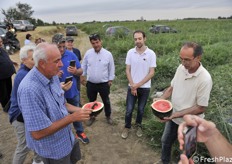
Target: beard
x: 139, y: 45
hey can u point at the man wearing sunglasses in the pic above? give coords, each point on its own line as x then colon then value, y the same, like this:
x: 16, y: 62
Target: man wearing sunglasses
x: 189, y: 91
x: 98, y: 66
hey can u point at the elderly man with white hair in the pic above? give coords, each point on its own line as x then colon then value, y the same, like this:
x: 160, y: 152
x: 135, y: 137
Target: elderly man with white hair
x: 15, y: 115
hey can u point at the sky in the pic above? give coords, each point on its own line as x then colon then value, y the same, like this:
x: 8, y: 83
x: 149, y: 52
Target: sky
x: 80, y: 11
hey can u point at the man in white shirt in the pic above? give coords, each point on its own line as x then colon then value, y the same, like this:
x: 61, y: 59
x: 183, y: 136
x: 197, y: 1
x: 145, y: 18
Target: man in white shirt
x: 98, y: 66
x: 140, y: 68
x: 190, y: 91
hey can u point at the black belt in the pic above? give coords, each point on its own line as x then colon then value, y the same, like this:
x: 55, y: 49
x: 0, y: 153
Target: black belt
x: 97, y: 83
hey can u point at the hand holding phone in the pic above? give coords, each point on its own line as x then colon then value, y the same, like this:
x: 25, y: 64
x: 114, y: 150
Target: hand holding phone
x: 67, y: 79
x: 72, y: 63
x: 190, y: 141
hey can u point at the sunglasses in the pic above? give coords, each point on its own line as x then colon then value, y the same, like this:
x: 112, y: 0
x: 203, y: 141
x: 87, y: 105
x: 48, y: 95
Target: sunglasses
x: 94, y: 37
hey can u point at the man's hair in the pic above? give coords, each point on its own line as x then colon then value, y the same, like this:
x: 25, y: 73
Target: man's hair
x: 197, y: 49
x: 94, y: 37
x: 25, y: 49
x: 140, y: 31
x: 28, y: 36
x: 40, y: 53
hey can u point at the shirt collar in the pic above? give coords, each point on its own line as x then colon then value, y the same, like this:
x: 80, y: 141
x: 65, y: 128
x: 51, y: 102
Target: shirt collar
x: 190, y: 75
x: 44, y: 80
x: 144, y: 53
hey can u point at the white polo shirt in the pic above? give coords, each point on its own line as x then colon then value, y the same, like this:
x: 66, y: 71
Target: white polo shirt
x: 140, y: 65
x: 190, y: 89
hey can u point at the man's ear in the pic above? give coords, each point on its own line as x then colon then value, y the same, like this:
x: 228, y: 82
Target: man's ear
x: 41, y: 63
x: 23, y: 61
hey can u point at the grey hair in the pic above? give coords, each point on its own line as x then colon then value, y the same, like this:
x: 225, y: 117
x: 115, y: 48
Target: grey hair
x: 24, y: 50
x: 40, y: 53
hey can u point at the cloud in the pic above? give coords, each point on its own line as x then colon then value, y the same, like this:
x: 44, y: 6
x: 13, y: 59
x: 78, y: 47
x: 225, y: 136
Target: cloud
x: 106, y: 10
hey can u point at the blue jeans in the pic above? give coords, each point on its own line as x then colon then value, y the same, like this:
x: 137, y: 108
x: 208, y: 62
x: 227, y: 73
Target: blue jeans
x: 168, y: 138
x: 142, y: 96
x: 76, y: 102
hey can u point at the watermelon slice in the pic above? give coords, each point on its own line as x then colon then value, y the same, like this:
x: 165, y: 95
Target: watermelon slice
x: 162, y: 108
x: 96, y: 107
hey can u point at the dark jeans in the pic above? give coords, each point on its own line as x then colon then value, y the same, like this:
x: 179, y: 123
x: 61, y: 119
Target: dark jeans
x: 168, y: 138
x: 142, y: 96
x: 5, y: 90
x: 76, y: 101
x: 71, y: 158
x: 104, y: 90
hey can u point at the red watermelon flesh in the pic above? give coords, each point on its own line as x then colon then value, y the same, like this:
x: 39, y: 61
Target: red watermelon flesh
x: 162, y: 105
x: 93, y: 105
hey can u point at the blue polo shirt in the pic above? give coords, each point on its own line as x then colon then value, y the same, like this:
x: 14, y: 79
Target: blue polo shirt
x: 66, y: 58
x: 42, y: 102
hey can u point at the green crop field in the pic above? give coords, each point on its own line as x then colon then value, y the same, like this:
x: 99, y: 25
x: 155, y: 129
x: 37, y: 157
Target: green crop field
x: 216, y: 38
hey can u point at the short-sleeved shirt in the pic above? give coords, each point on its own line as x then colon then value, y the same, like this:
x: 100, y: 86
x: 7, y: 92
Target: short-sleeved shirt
x: 42, y: 102
x: 140, y: 65
x: 66, y: 58
x: 190, y: 89
x: 98, y: 67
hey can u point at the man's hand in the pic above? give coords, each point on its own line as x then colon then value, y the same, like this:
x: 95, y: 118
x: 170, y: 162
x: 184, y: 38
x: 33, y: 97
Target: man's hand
x: 134, y: 92
x: 60, y: 73
x: 204, y: 131
x: 110, y: 83
x: 72, y: 70
x: 185, y: 160
x: 66, y: 86
x: 81, y: 114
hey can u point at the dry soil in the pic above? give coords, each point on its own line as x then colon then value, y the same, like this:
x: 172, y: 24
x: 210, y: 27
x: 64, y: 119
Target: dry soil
x: 106, y: 145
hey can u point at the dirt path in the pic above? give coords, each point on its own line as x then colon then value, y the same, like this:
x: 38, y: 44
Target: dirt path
x: 106, y: 145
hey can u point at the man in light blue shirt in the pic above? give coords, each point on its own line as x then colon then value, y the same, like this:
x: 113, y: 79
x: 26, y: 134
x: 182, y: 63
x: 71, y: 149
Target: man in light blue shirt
x: 45, y: 111
x: 98, y: 66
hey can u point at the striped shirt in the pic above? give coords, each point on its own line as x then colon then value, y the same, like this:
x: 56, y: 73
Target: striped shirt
x: 42, y: 102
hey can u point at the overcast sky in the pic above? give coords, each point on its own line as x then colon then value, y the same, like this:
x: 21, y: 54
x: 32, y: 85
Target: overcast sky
x: 64, y: 11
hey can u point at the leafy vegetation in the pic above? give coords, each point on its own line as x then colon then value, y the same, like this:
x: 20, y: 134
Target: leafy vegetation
x: 213, y: 35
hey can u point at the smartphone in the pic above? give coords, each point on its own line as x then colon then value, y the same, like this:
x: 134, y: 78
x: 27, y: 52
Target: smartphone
x: 72, y: 63
x: 67, y: 79
x: 190, y: 141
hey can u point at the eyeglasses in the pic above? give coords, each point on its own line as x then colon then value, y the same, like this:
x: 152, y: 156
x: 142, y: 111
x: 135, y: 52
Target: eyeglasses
x: 186, y: 60
x: 94, y: 36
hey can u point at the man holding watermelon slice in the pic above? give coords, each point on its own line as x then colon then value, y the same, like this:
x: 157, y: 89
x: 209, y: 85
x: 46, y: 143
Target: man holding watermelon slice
x: 98, y: 67
x: 189, y: 91
x: 140, y: 68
